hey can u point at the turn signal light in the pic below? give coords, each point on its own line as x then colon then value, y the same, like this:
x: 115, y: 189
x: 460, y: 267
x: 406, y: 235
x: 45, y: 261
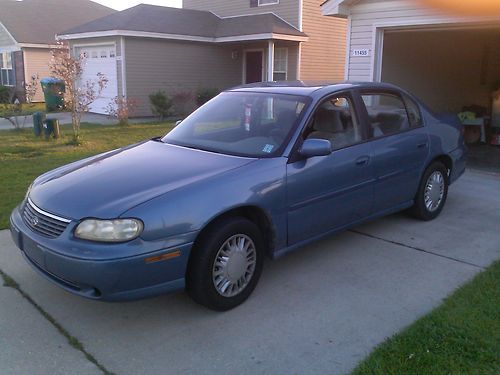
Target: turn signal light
x: 162, y: 257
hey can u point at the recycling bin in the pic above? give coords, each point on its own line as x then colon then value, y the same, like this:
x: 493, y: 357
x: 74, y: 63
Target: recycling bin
x: 38, y: 120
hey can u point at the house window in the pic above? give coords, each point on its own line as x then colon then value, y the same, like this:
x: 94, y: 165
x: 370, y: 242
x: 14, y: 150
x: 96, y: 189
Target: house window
x: 267, y: 2
x: 6, y: 69
x: 280, y: 64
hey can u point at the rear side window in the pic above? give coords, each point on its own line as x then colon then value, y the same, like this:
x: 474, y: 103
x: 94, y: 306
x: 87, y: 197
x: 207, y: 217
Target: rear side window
x: 387, y: 114
x: 414, y: 113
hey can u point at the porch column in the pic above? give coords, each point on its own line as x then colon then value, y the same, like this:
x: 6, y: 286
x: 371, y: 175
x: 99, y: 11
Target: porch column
x: 270, y: 60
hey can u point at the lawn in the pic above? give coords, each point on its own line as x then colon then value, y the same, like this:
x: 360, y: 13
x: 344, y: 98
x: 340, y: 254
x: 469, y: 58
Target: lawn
x: 24, y: 157
x: 26, y: 108
x: 462, y: 336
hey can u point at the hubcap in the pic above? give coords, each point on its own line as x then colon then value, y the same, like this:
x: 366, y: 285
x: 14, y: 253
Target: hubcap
x: 434, y: 191
x: 234, y: 265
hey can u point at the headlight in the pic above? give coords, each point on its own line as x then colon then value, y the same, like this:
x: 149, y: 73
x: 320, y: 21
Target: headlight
x: 119, y: 230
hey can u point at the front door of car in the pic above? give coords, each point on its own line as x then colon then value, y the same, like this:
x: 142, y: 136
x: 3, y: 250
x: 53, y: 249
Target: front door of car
x: 325, y: 193
x: 400, y: 147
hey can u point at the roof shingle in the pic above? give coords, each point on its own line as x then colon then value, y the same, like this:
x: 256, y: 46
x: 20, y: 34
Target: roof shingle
x: 186, y: 22
x: 38, y: 21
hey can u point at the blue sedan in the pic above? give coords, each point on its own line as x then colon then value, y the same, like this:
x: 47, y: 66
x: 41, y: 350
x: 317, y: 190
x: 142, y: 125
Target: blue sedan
x: 258, y: 171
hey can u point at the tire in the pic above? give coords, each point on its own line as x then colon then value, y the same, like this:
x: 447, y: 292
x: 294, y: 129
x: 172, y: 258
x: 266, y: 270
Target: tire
x: 428, y: 205
x: 209, y: 271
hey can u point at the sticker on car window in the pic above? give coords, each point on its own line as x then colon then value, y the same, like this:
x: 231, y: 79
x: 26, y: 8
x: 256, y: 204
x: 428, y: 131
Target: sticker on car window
x: 268, y: 148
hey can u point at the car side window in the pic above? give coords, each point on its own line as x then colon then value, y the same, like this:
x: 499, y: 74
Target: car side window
x: 414, y: 113
x: 387, y: 114
x: 335, y: 121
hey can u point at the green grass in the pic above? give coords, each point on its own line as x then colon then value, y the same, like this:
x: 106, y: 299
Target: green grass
x: 27, y: 109
x: 24, y: 157
x: 462, y: 336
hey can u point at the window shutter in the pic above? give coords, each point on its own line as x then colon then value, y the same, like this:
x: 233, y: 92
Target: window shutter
x: 254, y: 3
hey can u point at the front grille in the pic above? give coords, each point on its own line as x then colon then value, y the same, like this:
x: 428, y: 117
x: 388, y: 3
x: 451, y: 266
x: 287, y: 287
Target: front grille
x: 42, y: 222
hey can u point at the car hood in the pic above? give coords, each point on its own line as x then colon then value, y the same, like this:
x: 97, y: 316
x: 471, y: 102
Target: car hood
x: 107, y: 185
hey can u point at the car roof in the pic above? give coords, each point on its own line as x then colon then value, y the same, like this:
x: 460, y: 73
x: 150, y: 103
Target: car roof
x: 308, y: 88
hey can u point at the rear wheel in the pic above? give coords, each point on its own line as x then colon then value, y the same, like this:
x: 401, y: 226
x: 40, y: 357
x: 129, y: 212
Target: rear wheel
x: 432, y: 192
x: 226, y: 264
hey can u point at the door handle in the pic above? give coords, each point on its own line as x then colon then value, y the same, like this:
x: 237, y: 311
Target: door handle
x: 363, y: 160
x: 422, y: 145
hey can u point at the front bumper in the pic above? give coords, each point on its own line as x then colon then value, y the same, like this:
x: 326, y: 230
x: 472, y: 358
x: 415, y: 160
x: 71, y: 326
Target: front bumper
x: 118, y: 279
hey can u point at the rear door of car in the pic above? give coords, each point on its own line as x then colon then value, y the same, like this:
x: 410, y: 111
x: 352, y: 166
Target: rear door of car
x: 325, y: 193
x: 400, y: 146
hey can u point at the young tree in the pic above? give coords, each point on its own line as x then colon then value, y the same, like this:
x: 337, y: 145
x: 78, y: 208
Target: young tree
x: 79, y: 94
x: 16, y: 111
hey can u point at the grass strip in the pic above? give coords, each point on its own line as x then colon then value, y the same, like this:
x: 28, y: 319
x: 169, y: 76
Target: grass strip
x: 461, y: 336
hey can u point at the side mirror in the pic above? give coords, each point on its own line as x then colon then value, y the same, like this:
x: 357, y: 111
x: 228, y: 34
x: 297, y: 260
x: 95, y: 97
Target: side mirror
x: 315, y: 147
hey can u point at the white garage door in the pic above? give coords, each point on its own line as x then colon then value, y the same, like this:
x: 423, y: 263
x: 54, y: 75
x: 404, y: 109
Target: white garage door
x: 100, y: 59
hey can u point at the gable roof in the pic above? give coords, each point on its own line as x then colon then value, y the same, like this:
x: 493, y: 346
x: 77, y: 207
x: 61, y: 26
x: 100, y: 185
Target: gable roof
x: 187, y: 24
x: 337, y: 7
x: 38, y: 21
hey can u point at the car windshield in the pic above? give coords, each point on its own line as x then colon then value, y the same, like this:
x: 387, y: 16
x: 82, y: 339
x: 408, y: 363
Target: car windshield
x: 242, y: 124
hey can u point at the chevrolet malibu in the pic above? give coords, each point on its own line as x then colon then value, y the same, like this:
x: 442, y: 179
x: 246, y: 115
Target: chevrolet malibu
x: 258, y: 171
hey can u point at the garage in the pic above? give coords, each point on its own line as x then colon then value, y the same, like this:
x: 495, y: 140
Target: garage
x: 453, y: 69
x: 450, y: 61
x: 100, y: 59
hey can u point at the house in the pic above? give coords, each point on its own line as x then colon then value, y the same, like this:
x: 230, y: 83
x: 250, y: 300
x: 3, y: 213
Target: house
x: 449, y: 60
x: 208, y: 44
x: 27, y: 32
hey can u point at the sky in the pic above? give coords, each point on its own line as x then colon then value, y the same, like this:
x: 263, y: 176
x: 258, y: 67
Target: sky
x: 124, y: 4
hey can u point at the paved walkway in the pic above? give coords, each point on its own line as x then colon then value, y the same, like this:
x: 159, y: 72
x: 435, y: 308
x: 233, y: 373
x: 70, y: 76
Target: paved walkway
x: 65, y: 118
x: 319, y: 310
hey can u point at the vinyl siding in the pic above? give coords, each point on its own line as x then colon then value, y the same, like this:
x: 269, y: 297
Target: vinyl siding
x: 323, y: 55
x: 286, y: 9
x: 36, y: 62
x: 174, y: 67
x: 367, y: 15
x: 5, y: 38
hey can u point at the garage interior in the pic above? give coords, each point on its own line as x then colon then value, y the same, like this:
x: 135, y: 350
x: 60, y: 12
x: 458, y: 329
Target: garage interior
x: 453, y: 70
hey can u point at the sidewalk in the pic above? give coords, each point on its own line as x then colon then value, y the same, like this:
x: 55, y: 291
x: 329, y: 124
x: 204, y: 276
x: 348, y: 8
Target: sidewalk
x: 65, y: 118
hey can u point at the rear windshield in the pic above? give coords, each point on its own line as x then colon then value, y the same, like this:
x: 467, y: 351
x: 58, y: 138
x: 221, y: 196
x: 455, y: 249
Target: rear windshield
x: 242, y: 124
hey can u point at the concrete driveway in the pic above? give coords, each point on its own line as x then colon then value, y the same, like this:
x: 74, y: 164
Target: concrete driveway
x: 319, y: 310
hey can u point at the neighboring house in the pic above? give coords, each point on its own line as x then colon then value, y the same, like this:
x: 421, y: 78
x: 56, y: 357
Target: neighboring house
x: 450, y: 61
x: 219, y: 44
x: 27, y: 32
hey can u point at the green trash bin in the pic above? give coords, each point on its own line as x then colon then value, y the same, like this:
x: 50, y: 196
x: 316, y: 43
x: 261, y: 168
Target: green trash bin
x: 53, y: 91
x: 38, y: 120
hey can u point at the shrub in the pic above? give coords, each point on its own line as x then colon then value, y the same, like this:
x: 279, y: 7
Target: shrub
x: 122, y: 108
x: 5, y: 95
x: 161, y: 104
x: 183, y: 103
x: 204, y: 95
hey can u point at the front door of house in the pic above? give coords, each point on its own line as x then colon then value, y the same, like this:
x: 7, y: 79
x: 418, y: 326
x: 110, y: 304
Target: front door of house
x: 253, y: 66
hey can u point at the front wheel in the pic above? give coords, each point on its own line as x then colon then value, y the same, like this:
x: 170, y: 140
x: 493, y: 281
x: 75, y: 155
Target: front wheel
x: 226, y: 264
x: 432, y: 192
